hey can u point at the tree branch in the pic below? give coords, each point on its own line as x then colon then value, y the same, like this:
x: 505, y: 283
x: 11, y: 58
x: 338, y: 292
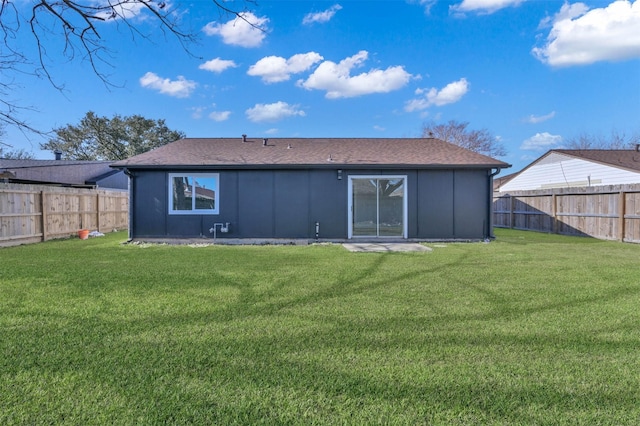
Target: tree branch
x: 73, y: 23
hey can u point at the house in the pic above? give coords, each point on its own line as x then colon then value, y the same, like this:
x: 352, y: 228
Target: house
x: 311, y: 188
x: 82, y: 174
x: 565, y: 168
x: 499, y: 181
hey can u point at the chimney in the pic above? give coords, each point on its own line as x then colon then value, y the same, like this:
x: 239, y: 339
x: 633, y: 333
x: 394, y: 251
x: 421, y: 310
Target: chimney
x: 638, y: 147
x: 244, y: 138
x: 58, y: 154
x: 264, y: 141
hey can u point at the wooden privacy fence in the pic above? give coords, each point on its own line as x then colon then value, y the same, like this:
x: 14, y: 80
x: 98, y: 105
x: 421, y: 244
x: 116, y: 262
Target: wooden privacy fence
x: 31, y: 214
x: 607, y: 212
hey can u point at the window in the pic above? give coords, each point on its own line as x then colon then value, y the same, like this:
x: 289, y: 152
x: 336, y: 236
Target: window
x: 195, y: 193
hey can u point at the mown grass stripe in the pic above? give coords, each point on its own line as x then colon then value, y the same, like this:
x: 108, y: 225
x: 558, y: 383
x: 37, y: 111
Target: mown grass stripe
x: 528, y: 329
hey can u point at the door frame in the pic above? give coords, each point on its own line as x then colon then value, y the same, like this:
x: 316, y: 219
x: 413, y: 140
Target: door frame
x: 405, y: 204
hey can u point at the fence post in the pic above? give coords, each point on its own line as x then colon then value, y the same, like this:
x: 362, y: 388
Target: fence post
x: 98, y: 212
x: 80, y: 214
x: 622, y: 207
x: 43, y: 215
x: 511, y: 212
x: 554, y: 213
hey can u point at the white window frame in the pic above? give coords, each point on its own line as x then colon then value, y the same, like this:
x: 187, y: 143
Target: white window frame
x: 193, y: 210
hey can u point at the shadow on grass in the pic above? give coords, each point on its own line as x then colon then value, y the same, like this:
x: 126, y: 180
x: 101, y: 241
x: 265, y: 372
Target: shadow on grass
x: 267, y: 359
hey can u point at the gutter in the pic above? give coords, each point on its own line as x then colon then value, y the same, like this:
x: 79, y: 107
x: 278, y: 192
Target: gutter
x: 313, y: 166
x: 489, y: 233
x: 130, y: 175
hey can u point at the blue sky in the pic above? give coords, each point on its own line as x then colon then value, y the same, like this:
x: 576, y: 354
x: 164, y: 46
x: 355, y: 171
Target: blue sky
x: 533, y: 73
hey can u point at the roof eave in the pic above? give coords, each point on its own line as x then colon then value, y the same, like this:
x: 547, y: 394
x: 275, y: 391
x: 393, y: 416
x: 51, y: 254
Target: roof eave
x: 306, y: 166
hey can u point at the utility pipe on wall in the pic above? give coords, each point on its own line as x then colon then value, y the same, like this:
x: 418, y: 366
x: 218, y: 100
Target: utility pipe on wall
x: 224, y: 228
x: 489, y: 233
x: 131, y: 187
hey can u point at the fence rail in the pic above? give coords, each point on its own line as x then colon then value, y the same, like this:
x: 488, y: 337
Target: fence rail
x: 31, y: 214
x: 607, y: 212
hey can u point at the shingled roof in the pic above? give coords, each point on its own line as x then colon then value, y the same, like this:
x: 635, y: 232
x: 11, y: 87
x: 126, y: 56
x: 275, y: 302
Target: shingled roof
x: 59, y: 172
x: 307, y: 152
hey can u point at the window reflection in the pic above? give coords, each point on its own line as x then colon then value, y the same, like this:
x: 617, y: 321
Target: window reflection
x: 205, y: 193
x: 193, y: 193
x: 181, y: 193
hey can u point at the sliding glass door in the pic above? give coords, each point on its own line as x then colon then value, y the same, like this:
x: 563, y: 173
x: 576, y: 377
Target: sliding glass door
x: 377, y: 206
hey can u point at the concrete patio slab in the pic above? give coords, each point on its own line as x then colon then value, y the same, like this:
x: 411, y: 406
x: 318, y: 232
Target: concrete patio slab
x: 385, y: 247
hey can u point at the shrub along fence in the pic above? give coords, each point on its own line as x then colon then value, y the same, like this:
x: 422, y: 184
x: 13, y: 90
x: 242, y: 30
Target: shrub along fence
x: 604, y: 212
x: 30, y: 213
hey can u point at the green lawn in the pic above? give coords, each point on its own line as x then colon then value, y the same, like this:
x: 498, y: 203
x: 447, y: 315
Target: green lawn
x: 528, y: 329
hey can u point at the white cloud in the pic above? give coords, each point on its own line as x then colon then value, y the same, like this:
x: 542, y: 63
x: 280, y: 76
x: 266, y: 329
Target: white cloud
x: 427, y: 4
x: 196, y: 112
x: 273, y: 112
x: 337, y: 81
x: 217, y: 65
x: 273, y: 69
x: 449, y: 94
x: 580, y: 36
x: 220, y: 115
x: 535, y: 119
x: 483, y: 6
x: 541, y: 142
x: 126, y: 10
x: 180, y: 88
x: 321, y: 17
x: 567, y: 11
x: 245, y: 31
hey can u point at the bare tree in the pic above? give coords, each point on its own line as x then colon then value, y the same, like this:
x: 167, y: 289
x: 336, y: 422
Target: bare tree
x: 615, y: 140
x: 16, y: 154
x: 69, y: 30
x: 455, y: 132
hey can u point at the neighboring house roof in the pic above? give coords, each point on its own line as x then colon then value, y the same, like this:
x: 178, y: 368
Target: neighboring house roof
x: 623, y: 158
x: 305, y: 152
x: 562, y: 168
x: 60, y: 172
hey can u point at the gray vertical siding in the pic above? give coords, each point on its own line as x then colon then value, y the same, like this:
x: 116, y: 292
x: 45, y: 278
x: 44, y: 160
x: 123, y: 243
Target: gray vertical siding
x: 328, y: 203
x: 255, y: 215
x: 442, y: 204
x: 470, y: 208
x: 435, y: 208
x: 149, y: 204
x: 291, y: 204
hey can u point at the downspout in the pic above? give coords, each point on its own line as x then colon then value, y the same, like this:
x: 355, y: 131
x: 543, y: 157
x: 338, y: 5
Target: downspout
x: 130, y: 184
x: 489, y: 233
